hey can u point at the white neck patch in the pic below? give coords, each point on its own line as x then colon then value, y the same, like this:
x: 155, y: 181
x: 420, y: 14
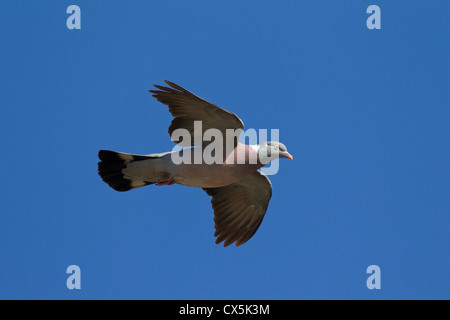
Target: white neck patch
x: 255, y: 147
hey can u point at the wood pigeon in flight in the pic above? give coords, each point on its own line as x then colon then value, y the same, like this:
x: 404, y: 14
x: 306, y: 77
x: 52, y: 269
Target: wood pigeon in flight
x: 240, y: 192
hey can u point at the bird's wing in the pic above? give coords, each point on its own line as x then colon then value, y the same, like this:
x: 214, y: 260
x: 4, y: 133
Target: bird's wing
x: 186, y: 108
x: 239, y: 208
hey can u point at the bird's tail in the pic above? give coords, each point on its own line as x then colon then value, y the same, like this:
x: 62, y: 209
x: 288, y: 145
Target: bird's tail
x: 110, y: 169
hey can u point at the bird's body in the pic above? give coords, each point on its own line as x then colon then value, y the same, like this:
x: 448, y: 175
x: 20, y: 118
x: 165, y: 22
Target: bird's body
x: 213, y: 175
x: 240, y: 192
x: 160, y: 167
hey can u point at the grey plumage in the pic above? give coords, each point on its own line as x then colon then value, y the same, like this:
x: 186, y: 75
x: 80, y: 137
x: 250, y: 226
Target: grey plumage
x: 240, y: 192
x: 239, y: 208
x: 186, y: 108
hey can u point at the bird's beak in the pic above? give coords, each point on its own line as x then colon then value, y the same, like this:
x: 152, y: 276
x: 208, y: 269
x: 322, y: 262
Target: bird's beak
x: 288, y: 155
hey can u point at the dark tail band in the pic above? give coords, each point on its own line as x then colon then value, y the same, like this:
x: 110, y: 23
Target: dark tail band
x: 110, y: 169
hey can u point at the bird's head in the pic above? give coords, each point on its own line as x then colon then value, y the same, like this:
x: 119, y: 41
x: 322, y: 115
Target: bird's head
x: 271, y: 150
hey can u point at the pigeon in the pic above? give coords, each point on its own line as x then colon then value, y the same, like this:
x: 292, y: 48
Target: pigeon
x: 240, y: 191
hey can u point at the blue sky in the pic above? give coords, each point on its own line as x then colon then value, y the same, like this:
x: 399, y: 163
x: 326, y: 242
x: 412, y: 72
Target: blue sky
x: 365, y: 114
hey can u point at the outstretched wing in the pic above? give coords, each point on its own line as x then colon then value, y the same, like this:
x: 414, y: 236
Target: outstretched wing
x: 187, y: 108
x: 239, y: 208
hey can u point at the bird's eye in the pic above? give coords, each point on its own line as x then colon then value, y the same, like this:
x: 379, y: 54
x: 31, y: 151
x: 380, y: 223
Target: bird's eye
x: 276, y: 147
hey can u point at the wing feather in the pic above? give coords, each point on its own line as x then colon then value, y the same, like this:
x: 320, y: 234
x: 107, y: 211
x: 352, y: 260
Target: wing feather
x: 186, y: 108
x: 239, y: 208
